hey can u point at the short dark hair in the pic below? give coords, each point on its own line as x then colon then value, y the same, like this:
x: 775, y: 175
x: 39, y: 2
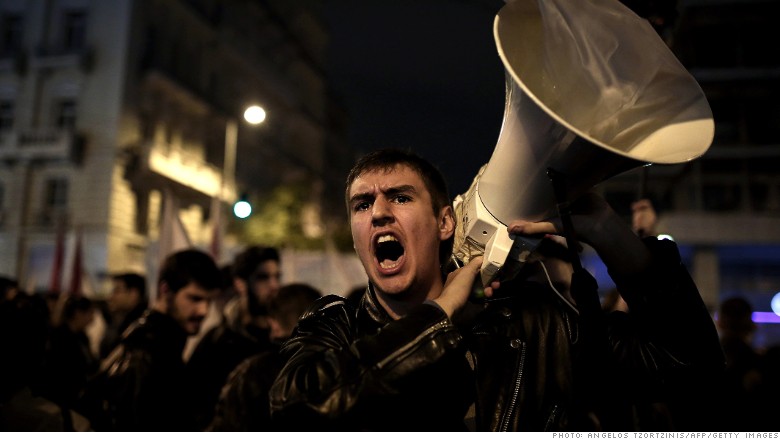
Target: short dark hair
x: 292, y: 301
x: 6, y: 283
x: 73, y: 304
x: 387, y: 159
x: 294, y: 298
x: 185, y: 266
x: 132, y: 281
x: 246, y: 262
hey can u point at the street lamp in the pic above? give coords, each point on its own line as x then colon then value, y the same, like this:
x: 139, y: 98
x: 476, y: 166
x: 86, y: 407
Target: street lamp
x: 254, y: 115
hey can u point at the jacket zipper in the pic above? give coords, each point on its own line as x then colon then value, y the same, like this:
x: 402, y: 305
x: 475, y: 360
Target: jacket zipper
x: 551, y: 418
x: 516, y: 390
x: 438, y: 326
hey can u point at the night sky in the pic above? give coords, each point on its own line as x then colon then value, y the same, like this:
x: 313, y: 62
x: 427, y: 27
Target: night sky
x: 420, y: 75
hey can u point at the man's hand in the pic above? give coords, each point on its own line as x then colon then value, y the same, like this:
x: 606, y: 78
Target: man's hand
x: 590, y: 215
x: 643, y: 218
x: 458, y: 287
x: 597, y: 225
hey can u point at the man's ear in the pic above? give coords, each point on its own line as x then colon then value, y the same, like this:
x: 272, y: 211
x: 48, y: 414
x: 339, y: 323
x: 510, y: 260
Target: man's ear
x: 240, y: 286
x: 163, y: 292
x: 446, y: 223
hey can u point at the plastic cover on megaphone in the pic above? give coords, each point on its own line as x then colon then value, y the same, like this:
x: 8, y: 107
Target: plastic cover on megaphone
x: 592, y: 91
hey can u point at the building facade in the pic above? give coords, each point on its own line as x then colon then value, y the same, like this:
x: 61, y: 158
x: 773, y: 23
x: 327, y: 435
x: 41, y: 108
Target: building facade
x: 109, y: 110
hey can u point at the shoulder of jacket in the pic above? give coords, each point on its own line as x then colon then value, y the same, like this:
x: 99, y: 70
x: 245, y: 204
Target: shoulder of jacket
x: 325, y: 303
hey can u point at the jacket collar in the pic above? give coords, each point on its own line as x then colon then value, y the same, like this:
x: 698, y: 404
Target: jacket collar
x: 370, y: 314
x: 154, y: 328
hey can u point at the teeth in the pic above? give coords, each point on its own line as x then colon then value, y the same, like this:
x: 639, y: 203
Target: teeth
x: 390, y: 264
x: 386, y: 238
x: 387, y: 255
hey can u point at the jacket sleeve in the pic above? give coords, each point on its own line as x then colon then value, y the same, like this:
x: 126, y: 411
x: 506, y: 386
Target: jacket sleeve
x: 668, y: 328
x: 332, y: 373
x: 121, y: 390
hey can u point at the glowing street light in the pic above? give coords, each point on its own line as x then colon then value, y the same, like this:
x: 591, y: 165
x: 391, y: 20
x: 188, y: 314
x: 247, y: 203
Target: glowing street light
x: 254, y: 114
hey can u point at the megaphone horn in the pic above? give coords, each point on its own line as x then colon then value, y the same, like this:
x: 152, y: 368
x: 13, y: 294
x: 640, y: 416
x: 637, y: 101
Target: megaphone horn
x: 591, y: 92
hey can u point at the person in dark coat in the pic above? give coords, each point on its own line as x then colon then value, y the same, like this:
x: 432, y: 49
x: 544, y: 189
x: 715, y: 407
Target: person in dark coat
x: 142, y: 385
x: 534, y: 353
x: 70, y: 361
x: 243, y: 401
x: 244, y: 330
x: 128, y: 300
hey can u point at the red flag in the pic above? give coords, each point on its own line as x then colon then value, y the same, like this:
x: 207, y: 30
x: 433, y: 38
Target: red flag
x: 55, y: 283
x: 75, y: 278
x: 216, y: 233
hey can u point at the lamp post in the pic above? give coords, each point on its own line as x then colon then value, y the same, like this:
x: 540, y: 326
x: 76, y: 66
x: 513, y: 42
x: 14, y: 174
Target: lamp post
x: 254, y: 115
x: 229, y: 165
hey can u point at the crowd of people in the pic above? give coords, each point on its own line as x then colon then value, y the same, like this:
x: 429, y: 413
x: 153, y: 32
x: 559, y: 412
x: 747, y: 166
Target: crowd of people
x: 411, y: 351
x: 137, y: 379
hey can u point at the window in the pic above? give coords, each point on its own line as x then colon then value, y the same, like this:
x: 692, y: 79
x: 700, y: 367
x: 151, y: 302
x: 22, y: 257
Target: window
x: 56, y: 196
x: 66, y: 113
x: 2, y: 201
x: 74, y: 29
x: 10, y: 33
x: 721, y: 197
x: 6, y: 115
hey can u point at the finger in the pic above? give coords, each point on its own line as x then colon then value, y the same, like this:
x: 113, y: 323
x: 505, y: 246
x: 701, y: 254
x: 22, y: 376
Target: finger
x: 490, y: 289
x: 527, y: 228
x: 468, y: 271
x: 473, y: 266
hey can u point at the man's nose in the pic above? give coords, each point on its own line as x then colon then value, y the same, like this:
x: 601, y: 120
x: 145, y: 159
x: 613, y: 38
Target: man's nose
x: 203, y: 307
x: 382, y: 211
x: 274, y: 282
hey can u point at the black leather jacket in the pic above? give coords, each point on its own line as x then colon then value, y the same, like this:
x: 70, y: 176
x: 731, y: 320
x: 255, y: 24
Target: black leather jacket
x: 527, y: 362
x: 142, y: 385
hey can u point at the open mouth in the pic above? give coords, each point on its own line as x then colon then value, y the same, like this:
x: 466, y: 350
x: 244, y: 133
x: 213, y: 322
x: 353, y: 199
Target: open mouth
x: 388, y: 251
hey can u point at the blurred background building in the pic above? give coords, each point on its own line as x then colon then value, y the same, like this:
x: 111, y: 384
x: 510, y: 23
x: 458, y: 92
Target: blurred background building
x: 724, y: 208
x: 110, y: 109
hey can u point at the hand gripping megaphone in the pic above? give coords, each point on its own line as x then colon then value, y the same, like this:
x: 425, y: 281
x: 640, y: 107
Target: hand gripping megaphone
x: 591, y: 91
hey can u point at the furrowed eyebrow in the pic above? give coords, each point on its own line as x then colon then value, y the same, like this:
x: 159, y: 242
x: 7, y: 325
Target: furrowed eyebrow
x: 400, y: 189
x: 360, y: 197
x: 367, y: 196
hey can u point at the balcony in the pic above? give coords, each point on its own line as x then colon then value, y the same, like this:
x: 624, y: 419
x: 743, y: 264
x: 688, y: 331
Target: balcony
x: 12, y: 61
x: 50, y: 218
x: 53, y: 56
x: 42, y: 144
x: 188, y: 169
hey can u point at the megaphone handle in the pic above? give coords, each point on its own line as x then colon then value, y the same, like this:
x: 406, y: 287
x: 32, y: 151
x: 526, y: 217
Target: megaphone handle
x: 559, y: 187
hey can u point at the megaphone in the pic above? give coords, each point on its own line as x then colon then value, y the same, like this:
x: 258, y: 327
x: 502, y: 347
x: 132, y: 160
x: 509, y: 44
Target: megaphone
x: 592, y: 91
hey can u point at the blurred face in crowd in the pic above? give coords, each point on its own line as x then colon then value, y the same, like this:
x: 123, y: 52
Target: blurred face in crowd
x: 82, y: 318
x: 396, y: 232
x: 281, y: 327
x: 122, y: 298
x: 10, y: 293
x: 189, y: 305
x: 265, y: 281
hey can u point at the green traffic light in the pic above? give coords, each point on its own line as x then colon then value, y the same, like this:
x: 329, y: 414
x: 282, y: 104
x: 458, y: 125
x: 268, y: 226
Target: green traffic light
x: 242, y: 209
